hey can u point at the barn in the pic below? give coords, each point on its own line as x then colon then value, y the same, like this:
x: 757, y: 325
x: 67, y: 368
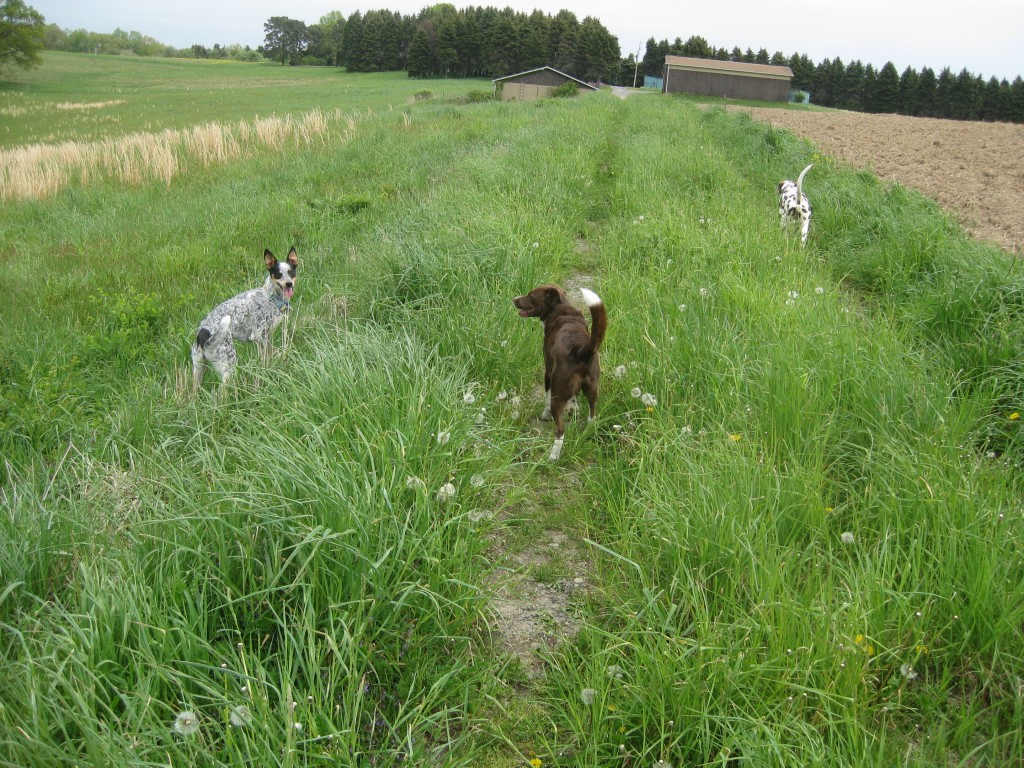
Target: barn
x: 728, y: 79
x: 535, y: 84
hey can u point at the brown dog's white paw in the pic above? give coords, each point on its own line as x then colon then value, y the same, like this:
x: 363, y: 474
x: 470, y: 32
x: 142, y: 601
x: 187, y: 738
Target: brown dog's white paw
x: 556, y: 450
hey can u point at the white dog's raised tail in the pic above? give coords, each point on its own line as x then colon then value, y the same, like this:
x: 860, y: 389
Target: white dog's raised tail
x: 800, y: 182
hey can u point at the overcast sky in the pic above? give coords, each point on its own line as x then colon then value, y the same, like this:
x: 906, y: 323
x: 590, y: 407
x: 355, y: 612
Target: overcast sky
x: 984, y: 36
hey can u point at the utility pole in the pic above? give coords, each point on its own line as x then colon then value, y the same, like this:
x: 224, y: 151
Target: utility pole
x: 637, y: 68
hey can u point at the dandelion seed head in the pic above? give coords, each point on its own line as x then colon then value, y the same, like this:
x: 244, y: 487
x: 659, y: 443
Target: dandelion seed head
x: 469, y: 398
x: 411, y: 481
x: 794, y: 295
x: 477, y: 481
x: 648, y: 399
x: 846, y: 537
x: 636, y: 392
x: 907, y: 671
x: 186, y: 723
x: 445, y: 493
x: 298, y: 727
x: 619, y: 372
x: 819, y: 290
x: 682, y: 307
x: 240, y: 717
x: 704, y: 291
x: 587, y: 695
x: 443, y: 438
x: 502, y: 395
x: 615, y: 671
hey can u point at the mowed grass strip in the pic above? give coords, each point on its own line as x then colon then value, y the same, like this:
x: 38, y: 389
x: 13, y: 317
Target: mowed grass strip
x: 805, y: 541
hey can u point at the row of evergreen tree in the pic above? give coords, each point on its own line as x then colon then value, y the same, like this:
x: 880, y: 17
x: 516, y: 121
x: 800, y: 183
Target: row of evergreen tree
x: 860, y: 87
x: 444, y: 42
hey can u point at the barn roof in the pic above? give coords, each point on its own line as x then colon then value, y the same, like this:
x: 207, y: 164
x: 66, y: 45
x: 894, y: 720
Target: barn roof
x: 728, y: 67
x: 550, y: 69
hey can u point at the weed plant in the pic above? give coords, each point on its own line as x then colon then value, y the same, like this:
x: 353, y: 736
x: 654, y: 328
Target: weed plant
x: 800, y: 500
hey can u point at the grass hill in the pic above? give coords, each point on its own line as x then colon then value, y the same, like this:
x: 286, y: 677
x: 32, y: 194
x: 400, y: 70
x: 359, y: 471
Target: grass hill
x: 794, y: 535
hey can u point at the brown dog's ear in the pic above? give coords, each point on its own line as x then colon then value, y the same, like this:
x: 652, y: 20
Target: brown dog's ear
x: 553, y: 296
x: 293, y: 259
x: 268, y: 257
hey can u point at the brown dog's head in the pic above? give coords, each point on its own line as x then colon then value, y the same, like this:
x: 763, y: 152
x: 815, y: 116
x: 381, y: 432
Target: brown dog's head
x: 540, y: 301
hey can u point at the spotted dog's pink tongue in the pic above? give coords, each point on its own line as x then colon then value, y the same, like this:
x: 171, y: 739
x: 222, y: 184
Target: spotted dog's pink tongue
x: 288, y: 293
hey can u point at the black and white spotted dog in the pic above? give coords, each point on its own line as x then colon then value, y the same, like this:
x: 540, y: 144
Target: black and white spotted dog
x: 793, y: 204
x: 250, y: 316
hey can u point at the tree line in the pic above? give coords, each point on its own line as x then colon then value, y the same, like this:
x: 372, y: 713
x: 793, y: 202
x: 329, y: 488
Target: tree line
x: 133, y: 43
x: 860, y: 87
x: 444, y: 42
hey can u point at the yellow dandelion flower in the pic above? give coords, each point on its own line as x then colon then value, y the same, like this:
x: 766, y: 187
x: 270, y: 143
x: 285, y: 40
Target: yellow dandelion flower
x: 612, y: 708
x: 1014, y: 416
x: 536, y: 762
x: 859, y: 639
x: 736, y: 438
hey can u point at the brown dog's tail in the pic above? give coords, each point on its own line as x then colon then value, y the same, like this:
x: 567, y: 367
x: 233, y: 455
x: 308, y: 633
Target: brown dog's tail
x: 598, y: 324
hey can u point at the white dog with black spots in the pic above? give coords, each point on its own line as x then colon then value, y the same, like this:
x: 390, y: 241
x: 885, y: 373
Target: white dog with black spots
x: 793, y: 204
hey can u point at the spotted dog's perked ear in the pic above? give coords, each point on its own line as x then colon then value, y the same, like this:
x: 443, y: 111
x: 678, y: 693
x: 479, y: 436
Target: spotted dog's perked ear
x: 268, y: 257
x: 293, y: 260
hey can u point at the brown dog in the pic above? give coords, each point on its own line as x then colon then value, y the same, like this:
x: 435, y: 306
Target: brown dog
x: 570, y: 351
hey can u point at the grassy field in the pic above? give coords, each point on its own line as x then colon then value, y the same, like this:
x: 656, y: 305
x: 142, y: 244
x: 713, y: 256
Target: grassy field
x: 803, y: 547
x: 81, y: 98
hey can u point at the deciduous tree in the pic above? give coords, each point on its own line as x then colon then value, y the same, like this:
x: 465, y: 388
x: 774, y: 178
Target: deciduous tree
x: 285, y: 39
x: 22, y: 34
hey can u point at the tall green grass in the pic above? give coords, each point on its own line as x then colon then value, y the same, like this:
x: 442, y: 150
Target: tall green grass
x: 805, y: 549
